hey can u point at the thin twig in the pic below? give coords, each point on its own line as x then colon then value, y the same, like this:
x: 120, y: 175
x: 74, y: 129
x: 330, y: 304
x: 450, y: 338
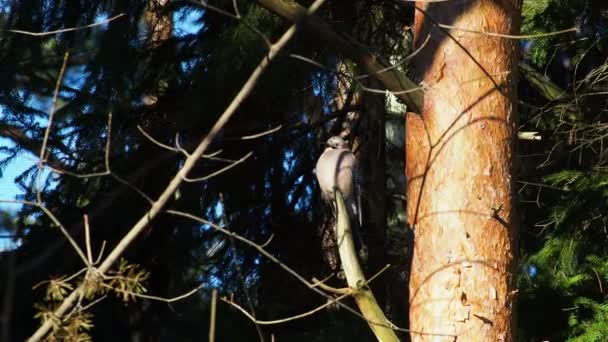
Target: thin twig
x: 204, y: 4
x: 363, y: 76
x: 321, y: 284
x: 133, y: 187
x: 235, y: 5
x: 289, y: 270
x: 156, y: 298
x: 265, y: 244
x: 87, y: 239
x: 189, y: 164
x: 47, y: 33
x: 156, y: 142
x: 220, y: 171
x: 508, y: 36
x: 101, y: 250
x: 261, y: 134
x: 239, y: 270
x: 290, y: 318
x: 212, y: 315
x: 47, y: 132
x: 58, y: 223
x: 91, y: 304
x: 108, y: 142
x: 396, y: 65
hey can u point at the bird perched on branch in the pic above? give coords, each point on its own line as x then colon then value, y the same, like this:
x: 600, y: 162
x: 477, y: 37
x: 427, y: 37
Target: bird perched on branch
x: 337, y: 168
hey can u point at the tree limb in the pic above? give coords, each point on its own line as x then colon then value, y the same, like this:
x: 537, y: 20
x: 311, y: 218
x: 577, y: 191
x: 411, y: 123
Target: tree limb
x: 157, y: 207
x: 364, y: 297
x: 392, y: 79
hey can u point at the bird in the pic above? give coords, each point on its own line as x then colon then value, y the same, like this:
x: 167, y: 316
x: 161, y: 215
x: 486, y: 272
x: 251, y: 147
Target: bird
x: 337, y: 167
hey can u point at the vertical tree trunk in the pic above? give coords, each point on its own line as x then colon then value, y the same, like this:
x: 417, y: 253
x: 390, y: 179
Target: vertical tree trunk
x: 459, y: 156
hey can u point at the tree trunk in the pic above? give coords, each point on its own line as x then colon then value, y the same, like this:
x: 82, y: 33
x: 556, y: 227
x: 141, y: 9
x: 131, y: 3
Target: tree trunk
x: 459, y: 156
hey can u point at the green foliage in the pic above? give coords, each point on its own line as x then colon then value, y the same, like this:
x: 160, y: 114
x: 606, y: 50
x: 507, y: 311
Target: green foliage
x: 573, y: 261
x: 546, y: 16
x: 564, y: 273
x: 174, y: 90
x: 588, y: 330
x: 190, y: 79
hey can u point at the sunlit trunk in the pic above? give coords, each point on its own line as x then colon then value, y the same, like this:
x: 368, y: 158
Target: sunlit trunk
x: 459, y: 164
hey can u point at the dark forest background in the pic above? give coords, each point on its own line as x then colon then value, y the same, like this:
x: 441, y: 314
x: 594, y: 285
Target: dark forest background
x: 170, y: 69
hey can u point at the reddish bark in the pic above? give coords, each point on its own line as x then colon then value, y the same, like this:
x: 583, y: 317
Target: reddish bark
x: 459, y: 156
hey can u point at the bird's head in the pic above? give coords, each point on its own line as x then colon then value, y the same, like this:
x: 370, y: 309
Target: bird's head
x: 336, y: 142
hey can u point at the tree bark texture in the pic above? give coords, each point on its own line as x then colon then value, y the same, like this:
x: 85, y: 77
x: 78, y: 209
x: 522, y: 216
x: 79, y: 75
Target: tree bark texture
x: 459, y: 156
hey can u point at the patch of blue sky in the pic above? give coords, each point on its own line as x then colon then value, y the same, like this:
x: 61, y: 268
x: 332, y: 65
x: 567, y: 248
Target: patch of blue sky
x: 218, y: 210
x: 5, y: 6
x: 321, y: 81
x: 8, y: 188
x: 75, y: 77
x: 187, y: 21
x: 7, y: 244
x: 101, y: 16
x: 304, y: 201
x: 316, y: 84
x: 210, y: 280
x: 189, y: 65
x: 293, y: 190
x: 288, y: 160
x: 532, y: 271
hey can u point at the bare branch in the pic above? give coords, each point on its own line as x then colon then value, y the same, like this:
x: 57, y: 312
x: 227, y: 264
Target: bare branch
x: 220, y: 171
x: 48, y: 33
x: 312, y: 286
x: 58, y: 223
x: 365, y: 299
x: 156, y: 298
x: 189, y: 164
x: 87, y: 239
x: 508, y: 36
x: 158, y: 143
x: 108, y: 141
x: 322, y: 285
x: 204, y: 4
x: 42, y: 157
x: 239, y: 270
x: 133, y: 187
x: 261, y: 134
x: 290, y: 318
x: 212, y: 315
x: 393, y: 80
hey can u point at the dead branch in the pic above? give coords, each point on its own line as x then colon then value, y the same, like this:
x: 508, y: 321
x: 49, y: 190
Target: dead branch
x: 48, y: 33
x: 189, y: 164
